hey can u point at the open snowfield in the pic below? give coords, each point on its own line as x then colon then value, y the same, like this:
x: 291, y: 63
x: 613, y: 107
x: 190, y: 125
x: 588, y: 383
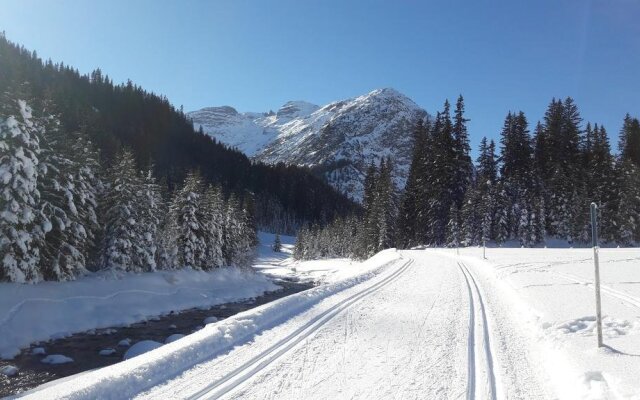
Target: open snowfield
x: 423, y: 324
x: 553, y: 295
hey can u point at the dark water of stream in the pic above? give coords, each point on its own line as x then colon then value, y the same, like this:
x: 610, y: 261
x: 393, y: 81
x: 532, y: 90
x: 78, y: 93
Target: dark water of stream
x: 83, y: 347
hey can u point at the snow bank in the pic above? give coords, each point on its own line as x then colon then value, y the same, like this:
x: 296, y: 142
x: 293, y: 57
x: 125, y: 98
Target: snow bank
x: 31, y: 313
x: 125, y: 379
x: 141, y: 347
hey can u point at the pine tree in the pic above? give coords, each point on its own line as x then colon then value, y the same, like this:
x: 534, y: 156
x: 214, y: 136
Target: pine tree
x: 385, y: 208
x: 486, y: 181
x: 370, y: 237
x: 628, y: 220
x: 277, y: 244
x: 471, y: 218
x: 453, y: 227
x: 409, y: 216
x: 518, y: 181
x: 239, y: 233
x: 299, y: 249
x: 214, y: 218
x: 629, y: 203
x: 121, y: 213
x: 186, y: 212
x: 19, y: 196
x: 462, y: 159
x: 629, y: 143
x: 149, y: 201
x: 63, y: 255
x: 88, y: 184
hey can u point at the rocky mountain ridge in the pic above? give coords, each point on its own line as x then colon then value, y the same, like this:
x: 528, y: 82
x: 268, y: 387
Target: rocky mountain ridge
x: 338, y: 140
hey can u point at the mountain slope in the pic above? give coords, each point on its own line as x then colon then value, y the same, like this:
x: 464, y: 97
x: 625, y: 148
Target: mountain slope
x: 338, y: 140
x: 117, y: 116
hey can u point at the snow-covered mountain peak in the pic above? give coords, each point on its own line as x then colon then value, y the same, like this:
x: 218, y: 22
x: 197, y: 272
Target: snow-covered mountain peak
x: 339, y: 140
x: 295, y: 109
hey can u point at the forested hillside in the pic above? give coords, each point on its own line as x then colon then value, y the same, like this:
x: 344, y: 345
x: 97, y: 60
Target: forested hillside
x: 102, y: 176
x: 126, y: 115
x: 528, y: 189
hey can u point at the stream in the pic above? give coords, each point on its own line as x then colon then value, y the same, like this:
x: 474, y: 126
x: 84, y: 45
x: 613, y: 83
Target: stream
x: 84, y: 347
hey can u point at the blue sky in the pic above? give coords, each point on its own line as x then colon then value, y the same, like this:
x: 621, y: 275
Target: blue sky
x: 256, y: 55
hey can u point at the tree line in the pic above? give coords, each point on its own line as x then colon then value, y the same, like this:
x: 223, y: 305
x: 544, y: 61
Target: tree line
x: 528, y: 188
x: 63, y: 213
x: 160, y: 136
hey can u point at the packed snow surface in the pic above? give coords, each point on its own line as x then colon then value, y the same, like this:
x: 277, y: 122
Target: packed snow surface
x: 30, y: 313
x: 420, y: 324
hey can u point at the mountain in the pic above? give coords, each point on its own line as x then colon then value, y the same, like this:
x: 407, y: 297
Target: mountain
x: 338, y: 140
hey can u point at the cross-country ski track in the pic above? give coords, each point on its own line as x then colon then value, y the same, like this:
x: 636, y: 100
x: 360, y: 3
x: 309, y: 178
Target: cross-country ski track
x: 414, y: 324
x: 420, y: 330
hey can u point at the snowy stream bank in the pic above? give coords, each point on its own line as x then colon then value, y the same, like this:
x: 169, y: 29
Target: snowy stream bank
x: 98, y: 348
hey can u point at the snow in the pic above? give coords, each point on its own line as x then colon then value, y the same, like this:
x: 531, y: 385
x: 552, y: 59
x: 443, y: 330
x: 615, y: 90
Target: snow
x: 9, y: 370
x: 421, y: 324
x: 107, y: 352
x: 344, y: 136
x: 210, y: 320
x: 141, y: 348
x: 124, y: 343
x: 130, y: 377
x: 30, y: 313
x: 56, y: 359
x: 552, y: 293
x: 174, y: 337
x: 281, y: 265
x: 38, y: 351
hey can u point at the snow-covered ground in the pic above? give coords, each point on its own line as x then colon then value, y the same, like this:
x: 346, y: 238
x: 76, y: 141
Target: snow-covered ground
x: 30, y: 313
x: 423, y: 324
x: 551, y: 293
x: 282, y: 266
x: 135, y: 375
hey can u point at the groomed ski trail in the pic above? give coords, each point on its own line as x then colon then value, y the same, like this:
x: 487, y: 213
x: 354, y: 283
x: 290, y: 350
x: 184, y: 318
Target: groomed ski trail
x: 479, y: 344
x: 241, y: 374
x: 429, y: 328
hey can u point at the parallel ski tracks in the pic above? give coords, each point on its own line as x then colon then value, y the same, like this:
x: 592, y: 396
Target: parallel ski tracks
x: 244, y: 372
x: 624, y: 297
x: 473, y: 370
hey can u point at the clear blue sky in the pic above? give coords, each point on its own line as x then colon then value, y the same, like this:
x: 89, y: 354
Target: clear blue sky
x: 501, y: 55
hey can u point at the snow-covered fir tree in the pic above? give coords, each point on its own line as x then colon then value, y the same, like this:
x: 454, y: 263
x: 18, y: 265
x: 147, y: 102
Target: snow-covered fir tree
x: 120, y: 209
x: 214, y: 221
x: 149, y: 203
x: 63, y: 254
x: 240, y: 233
x: 277, y: 244
x: 190, y: 228
x: 19, y: 197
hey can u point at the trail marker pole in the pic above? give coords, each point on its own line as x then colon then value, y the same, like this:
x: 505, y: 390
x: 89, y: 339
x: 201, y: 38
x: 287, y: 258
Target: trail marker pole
x: 594, y: 239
